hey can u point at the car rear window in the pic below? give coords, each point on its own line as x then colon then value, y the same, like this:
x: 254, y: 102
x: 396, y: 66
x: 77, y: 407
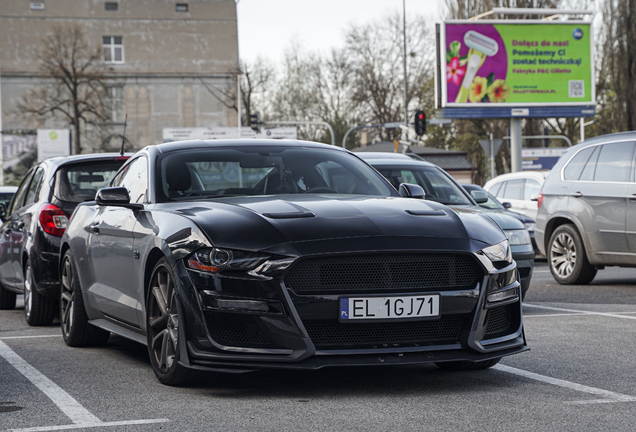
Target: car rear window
x: 80, y: 182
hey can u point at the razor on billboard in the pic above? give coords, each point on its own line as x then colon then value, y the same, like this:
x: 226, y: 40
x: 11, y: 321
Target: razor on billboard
x: 513, y: 63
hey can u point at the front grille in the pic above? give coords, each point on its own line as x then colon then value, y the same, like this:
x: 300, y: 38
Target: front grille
x: 382, y: 272
x: 524, y: 272
x: 356, y: 335
x: 499, y: 320
x: 235, y: 330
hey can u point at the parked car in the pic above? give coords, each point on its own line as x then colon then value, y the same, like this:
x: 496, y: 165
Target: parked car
x: 250, y: 254
x: 587, y: 209
x: 520, y: 189
x: 34, y: 224
x: 439, y: 186
x: 493, y: 204
x: 6, y: 194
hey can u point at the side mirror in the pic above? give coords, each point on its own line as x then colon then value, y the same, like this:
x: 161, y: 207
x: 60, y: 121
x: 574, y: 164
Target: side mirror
x: 535, y: 197
x: 479, y: 196
x: 115, y: 196
x: 506, y: 205
x: 3, y: 211
x: 408, y: 190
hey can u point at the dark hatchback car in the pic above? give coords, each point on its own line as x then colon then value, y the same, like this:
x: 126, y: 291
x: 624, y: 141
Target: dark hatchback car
x: 439, y: 186
x: 493, y: 204
x: 34, y: 224
x: 244, y: 255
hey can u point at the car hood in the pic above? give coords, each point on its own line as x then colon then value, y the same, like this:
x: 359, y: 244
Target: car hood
x: 304, y: 224
x: 505, y: 221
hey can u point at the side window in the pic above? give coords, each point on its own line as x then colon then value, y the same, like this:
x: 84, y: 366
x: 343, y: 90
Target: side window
x: 532, y: 187
x: 590, y: 166
x: 514, y: 189
x: 573, y: 169
x: 495, y: 188
x: 135, y: 179
x: 614, y: 162
x: 21, y: 193
x: 35, y: 186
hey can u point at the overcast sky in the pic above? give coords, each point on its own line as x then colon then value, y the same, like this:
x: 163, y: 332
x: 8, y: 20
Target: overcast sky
x: 268, y: 27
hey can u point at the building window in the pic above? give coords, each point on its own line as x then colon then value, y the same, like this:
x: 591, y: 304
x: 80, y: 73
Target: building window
x: 37, y: 5
x: 115, y: 104
x: 111, y: 6
x: 113, y: 49
x: 182, y: 7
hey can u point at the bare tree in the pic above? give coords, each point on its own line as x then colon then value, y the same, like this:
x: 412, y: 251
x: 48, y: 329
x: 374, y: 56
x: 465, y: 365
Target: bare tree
x: 72, y: 88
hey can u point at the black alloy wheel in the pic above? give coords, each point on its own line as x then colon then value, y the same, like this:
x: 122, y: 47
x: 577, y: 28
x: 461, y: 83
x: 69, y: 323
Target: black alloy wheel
x: 38, y: 310
x: 465, y: 365
x: 162, y: 327
x: 567, y: 258
x: 7, y: 299
x: 76, y: 331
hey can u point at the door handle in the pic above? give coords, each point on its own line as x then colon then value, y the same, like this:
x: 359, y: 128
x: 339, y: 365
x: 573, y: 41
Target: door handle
x: 577, y: 194
x: 633, y: 197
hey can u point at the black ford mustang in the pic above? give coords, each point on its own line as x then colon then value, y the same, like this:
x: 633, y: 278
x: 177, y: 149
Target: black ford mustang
x: 243, y: 255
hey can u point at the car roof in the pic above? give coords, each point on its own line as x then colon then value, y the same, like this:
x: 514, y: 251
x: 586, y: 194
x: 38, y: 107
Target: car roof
x: 63, y: 160
x: 378, y: 158
x: 8, y: 189
x: 538, y: 175
x: 266, y: 143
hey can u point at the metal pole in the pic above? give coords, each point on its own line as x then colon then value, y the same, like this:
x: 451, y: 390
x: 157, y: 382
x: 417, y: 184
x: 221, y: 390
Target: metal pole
x: 582, y: 127
x: 238, y: 96
x: 322, y: 123
x: 515, y: 145
x: 406, y: 81
x: 492, y: 158
x: 1, y: 140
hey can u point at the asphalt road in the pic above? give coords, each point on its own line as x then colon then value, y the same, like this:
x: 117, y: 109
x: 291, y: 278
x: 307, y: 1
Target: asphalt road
x: 578, y: 376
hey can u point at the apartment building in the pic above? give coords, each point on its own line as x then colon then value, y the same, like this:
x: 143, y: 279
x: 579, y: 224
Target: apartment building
x: 168, y: 63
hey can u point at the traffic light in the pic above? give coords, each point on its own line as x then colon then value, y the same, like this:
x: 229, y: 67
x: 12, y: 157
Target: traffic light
x: 420, y: 123
x: 255, y: 122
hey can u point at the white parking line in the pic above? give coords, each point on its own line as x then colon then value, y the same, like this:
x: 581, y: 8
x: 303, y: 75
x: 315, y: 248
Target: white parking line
x: 79, y: 415
x: 613, y: 315
x: 29, y: 337
x: 608, y: 396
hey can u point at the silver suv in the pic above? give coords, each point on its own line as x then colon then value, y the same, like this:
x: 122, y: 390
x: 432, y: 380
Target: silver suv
x: 587, y: 209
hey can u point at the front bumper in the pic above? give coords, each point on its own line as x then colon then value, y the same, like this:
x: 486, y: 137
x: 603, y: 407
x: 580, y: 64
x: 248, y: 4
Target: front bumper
x: 308, y: 335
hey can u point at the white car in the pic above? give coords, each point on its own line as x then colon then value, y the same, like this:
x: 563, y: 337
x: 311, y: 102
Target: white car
x: 6, y: 194
x: 520, y: 189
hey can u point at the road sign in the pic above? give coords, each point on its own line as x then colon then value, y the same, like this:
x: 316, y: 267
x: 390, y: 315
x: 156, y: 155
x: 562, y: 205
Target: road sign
x: 496, y: 145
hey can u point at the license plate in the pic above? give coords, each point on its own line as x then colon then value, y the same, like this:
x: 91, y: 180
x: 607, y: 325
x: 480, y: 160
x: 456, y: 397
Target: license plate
x: 368, y: 308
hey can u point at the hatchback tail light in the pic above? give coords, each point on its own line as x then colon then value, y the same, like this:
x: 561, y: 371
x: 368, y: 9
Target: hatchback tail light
x: 540, y: 200
x: 53, y: 220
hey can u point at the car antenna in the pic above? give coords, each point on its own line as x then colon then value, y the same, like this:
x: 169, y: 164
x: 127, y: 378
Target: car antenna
x: 123, y: 137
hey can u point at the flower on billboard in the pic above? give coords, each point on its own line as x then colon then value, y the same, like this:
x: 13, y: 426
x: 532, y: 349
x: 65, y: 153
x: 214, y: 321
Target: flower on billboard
x: 498, y: 91
x: 478, y: 89
x: 455, y: 72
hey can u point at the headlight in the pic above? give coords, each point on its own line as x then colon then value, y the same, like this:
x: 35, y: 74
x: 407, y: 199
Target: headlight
x: 498, y: 252
x: 216, y: 259
x: 530, y: 226
x: 518, y: 237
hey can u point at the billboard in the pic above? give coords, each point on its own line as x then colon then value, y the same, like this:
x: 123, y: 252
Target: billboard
x: 515, y: 64
x: 53, y: 143
x: 538, y: 159
x: 181, y: 133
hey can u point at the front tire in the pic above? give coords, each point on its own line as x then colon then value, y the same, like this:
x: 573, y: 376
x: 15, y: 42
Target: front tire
x: 567, y: 258
x: 38, y: 310
x: 467, y: 365
x: 162, y: 327
x: 76, y: 331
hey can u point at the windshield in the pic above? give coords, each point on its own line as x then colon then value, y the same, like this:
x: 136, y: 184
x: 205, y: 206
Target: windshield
x: 220, y: 172
x: 80, y: 182
x: 437, y: 186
